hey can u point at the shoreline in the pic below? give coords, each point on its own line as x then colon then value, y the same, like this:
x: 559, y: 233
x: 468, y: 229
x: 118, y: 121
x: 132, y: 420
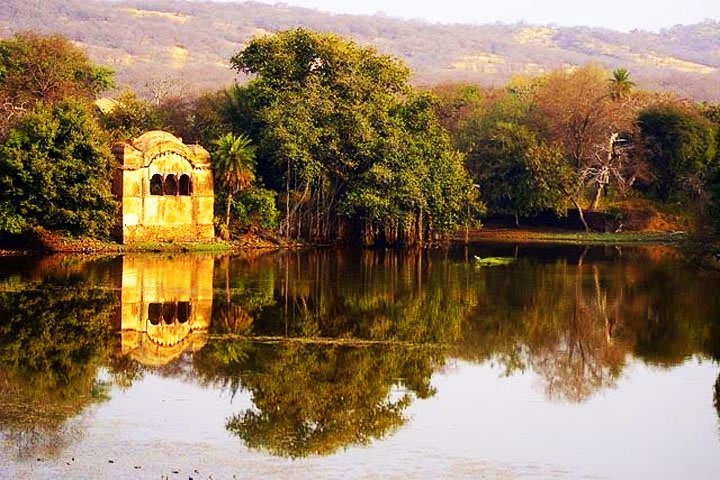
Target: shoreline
x: 50, y: 243
x: 540, y: 235
x: 88, y: 246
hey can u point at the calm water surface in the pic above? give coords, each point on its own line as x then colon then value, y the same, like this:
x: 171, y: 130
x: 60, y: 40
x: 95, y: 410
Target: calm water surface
x: 569, y: 362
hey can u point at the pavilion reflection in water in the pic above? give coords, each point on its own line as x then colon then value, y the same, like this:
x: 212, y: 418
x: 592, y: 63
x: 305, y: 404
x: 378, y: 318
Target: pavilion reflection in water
x: 166, y: 306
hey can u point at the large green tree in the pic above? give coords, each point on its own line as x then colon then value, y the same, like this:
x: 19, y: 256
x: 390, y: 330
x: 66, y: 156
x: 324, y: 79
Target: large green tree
x: 515, y: 175
x: 357, y: 154
x: 55, y: 172
x: 47, y: 68
x: 680, y: 145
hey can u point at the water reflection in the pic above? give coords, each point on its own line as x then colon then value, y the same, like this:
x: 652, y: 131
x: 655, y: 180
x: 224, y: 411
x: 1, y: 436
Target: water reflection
x: 381, y: 296
x: 333, y: 346
x: 165, y: 307
x: 352, y: 344
x: 311, y: 399
x: 54, y: 334
x: 575, y: 325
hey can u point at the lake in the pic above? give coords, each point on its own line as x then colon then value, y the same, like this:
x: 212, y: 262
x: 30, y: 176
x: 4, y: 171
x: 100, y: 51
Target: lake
x: 557, y: 362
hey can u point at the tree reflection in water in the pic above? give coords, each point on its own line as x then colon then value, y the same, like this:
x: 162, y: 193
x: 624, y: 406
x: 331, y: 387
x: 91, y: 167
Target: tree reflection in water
x: 575, y: 323
x: 53, y: 337
x: 311, y: 399
x: 346, y: 358
x: 333, y: 346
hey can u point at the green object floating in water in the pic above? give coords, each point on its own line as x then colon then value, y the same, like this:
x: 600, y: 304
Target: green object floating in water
x: 493, y: 261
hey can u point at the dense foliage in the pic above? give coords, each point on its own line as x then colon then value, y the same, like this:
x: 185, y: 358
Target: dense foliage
x: 328, y: 141
x: 129, y: 117
x: 356, y: 153
x: 582, y: 139
x: 680, y: 145
x: 55, y: 173
x: 50, y: 68
x: 54, y: 158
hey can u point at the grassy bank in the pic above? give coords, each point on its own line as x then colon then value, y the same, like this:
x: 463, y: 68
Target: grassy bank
x: 511, y: 235
x: 54, y: 243
x: 43, y: 241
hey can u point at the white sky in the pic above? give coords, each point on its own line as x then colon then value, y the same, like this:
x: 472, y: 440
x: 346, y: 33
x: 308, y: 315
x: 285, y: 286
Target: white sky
x: 616, y: 14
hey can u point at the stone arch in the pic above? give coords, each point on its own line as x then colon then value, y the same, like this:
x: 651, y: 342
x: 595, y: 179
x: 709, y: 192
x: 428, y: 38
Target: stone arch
x: 156, y: 184
x: 183, y: 312
x: 155, y: 313
x: 170, y: 185
x: 185, y: 184
x: 169, y: 312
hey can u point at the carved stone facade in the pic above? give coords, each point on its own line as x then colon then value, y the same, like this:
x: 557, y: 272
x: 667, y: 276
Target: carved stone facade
x: 166, y: 305
x: 165, y: 189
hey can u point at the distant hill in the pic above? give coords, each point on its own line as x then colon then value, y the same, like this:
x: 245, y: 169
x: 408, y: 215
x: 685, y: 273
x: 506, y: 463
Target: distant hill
x: 169, y: 44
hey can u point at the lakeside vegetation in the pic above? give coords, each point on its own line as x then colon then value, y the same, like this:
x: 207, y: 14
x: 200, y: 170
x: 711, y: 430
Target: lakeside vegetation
x: 328, y: 142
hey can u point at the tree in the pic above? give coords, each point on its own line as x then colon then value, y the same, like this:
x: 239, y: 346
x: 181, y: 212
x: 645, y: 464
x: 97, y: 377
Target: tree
x: 349, y: 141
x: 234, y: 163
x: 620, y: 84
x: 55, y: 173
x: 200, y: 119
x: 459, y: 102
x: 679, y: 145
x: 130, y: 117
x: 577, y: 112
x: 49, y: 68
x: 504, y: 162
x: 46, y: 68
x: 713, y: 187
x: 255, y: 209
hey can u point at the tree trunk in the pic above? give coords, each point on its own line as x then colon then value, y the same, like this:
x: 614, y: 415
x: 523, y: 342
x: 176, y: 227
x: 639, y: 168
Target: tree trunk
x: 580, y: 213
x: 287, y: 201
x: 419, y: 228
x: 596, y: 200
x: 227, y: 210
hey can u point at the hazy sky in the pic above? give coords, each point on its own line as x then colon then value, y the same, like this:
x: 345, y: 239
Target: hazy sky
x: 616, y: 14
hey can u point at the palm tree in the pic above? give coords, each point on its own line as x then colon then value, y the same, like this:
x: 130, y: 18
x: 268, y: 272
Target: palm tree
x: 620, y: 83
x: 234, y: 163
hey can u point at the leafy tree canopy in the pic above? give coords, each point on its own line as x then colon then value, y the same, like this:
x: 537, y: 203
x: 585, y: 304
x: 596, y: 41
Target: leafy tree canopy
x: 48, y: 68
x: 349, y: 141
x: 679, y: 144
x: 130, y: 117
x: 55, y: 172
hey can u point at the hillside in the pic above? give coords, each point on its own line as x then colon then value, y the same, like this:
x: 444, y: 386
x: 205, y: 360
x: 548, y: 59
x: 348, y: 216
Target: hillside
x: 157, y: 46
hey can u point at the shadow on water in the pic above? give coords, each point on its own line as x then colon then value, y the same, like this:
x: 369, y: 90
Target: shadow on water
x: 332, y: 345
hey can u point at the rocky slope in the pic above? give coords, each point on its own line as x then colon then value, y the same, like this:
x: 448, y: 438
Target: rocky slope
x: 169, y: 46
